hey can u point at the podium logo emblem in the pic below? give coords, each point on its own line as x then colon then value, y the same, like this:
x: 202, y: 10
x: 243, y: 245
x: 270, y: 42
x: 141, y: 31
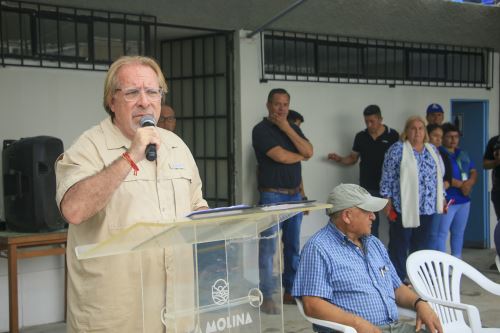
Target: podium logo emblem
x: 220, y: 292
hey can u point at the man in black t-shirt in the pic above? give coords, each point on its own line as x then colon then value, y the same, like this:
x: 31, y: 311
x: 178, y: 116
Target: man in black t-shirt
x: 370, y: 145
x: 279, y: 148
x: 491, y: 160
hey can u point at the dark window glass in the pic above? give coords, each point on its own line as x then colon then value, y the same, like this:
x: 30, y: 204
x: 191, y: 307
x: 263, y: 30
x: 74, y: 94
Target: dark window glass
x: 342, y: 60
x: 465, y: 67
x: 16, y: 33
x: 334, y: 59
x: 285, y: 55
x: 65, y: 36
x: 424, y: 65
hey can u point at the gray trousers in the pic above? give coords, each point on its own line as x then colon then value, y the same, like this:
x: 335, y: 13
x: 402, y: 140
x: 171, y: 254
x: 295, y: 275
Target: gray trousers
x: 399, y: 327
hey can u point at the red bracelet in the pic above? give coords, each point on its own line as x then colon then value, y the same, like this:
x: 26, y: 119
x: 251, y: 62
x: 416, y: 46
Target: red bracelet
x: 126, y: 157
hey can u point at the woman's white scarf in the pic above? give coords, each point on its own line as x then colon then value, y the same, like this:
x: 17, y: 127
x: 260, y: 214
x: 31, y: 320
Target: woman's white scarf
x: 410, y: 212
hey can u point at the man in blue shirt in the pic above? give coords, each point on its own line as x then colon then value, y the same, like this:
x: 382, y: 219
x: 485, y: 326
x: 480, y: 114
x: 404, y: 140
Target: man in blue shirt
x: 345, y: 274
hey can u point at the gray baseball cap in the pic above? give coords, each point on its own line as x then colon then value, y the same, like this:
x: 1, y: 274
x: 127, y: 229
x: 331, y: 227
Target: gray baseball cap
x: 351, y: 195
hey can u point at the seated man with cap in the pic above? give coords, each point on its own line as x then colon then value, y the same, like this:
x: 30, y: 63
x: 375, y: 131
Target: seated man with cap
x: 435, y: 114
x: 345, y: 274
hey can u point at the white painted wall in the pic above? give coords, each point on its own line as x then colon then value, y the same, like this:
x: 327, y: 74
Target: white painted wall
x: 60, y: 103
x: 333, y: 115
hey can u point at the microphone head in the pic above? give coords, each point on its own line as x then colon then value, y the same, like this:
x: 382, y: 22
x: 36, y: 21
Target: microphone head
x: 147, y: 120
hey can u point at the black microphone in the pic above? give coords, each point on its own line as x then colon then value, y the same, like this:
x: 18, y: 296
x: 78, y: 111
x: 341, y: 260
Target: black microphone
x: 146, y: 121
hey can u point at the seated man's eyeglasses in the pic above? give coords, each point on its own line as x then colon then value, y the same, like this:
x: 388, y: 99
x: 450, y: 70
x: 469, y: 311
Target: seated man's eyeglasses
x: 132, y: 94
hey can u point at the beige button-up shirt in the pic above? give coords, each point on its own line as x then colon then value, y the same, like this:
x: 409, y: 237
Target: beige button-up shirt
x: 125, y: 293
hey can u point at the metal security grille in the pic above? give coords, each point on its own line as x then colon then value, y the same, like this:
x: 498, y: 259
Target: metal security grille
x: 292, y: 56
x: 199, y: 72
x: 38, y: 35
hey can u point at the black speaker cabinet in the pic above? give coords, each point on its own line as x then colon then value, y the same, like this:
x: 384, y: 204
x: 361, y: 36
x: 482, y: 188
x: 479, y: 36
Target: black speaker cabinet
x: 30, y: 184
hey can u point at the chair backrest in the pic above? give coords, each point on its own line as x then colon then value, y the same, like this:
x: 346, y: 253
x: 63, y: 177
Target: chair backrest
x: 437, y: 274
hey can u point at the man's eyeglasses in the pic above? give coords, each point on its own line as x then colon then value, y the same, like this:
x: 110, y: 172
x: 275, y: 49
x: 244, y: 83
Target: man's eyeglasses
x: 169, y: 118
x: 133, y: 94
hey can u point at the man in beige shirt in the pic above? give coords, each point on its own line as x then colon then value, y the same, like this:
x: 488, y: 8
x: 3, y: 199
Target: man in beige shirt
x: 105, y: 184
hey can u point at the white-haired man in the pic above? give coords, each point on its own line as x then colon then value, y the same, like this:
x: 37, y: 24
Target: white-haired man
x: 104, y: 185
x: 345, y: 274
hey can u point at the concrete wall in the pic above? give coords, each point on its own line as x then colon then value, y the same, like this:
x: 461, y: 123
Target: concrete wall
x: 60, y: 103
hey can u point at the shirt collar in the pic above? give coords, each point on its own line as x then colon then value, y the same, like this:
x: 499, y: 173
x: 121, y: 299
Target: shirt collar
x: 113, y: 137
x: 342, y: 238
x: 386, y: 131
x: 447, y: 152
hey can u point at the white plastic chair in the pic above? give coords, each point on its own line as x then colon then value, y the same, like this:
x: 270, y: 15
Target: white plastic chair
x: 497, y: 261
x: 436, y: 276
x: 340, y: 327
x: 325, y: 323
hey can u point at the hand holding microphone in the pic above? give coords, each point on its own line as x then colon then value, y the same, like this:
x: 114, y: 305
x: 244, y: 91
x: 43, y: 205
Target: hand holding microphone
x: 147, y: 121
x: 146, y: 140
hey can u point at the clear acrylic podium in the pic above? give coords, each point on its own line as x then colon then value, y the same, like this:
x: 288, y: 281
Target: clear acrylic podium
x: 212, y: 271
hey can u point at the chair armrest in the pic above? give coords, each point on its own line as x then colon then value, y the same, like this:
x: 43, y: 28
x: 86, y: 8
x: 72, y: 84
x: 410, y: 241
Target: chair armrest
x: 324, y: 323
x: 471, y: 311
x: 460, y: 306
x: 332, y: 325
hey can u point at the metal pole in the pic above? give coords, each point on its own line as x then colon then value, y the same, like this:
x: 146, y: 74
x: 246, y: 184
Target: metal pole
x: 275, y: 18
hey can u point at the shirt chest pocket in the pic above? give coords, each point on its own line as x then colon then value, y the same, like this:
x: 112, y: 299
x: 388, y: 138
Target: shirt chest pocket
x: 386, y: 283
x: 181, y: 180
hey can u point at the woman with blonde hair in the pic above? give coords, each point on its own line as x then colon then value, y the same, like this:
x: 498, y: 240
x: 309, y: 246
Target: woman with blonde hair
x: 412, y: 180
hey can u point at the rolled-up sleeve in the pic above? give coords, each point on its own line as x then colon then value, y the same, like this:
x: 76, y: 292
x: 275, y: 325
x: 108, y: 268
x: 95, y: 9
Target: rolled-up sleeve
x: 79, y: 162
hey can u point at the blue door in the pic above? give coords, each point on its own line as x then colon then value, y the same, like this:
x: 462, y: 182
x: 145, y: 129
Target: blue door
x: 471, y: 118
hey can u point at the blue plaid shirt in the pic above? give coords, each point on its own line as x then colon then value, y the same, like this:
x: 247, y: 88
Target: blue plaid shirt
x: 390, y: 184
x: 361, y: 282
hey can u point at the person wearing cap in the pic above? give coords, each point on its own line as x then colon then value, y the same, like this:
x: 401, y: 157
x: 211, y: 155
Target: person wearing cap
x: 435, y: 114
x: 345, y: 274
x: 279, y: 147
x: 370, y: 145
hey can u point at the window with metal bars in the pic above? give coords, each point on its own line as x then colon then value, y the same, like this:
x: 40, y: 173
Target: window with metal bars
x: 199, y: 72
x: 33, y: 34
x: 321, y: 58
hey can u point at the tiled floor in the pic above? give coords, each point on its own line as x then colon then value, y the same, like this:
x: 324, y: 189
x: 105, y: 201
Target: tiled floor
x: 471, y: 294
